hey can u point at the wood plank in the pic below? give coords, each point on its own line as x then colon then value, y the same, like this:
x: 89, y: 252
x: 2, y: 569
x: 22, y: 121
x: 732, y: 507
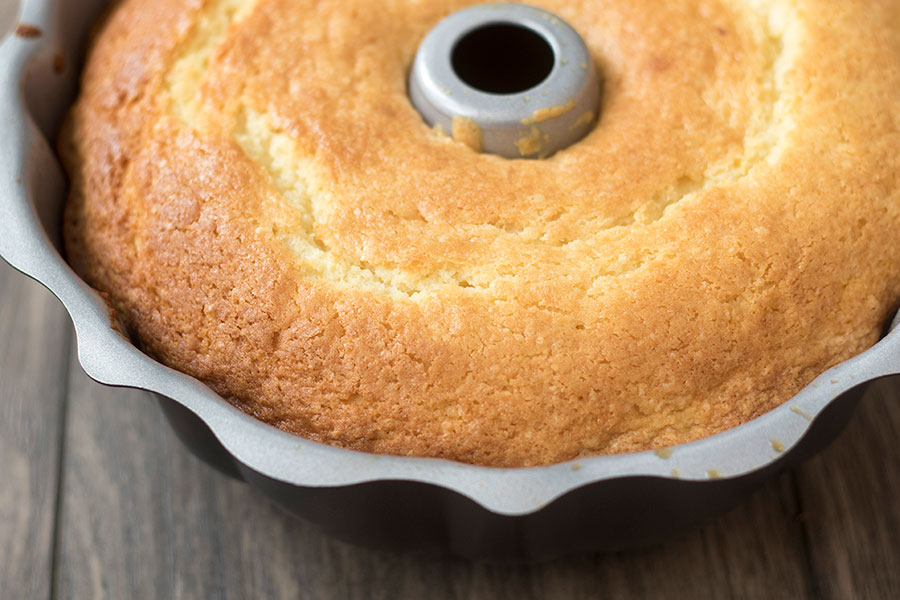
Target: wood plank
x: 115, y: 520
x: 142, y: 517
x: 34, y: 343
x: 850, y: 496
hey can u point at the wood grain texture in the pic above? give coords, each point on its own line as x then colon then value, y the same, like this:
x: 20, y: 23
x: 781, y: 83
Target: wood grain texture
x: 116, y: 521
x: 34, y: 342
x: 851, y: 503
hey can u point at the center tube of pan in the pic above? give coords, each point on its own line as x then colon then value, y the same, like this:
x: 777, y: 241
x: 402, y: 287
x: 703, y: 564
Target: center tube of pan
x: 506, y: 79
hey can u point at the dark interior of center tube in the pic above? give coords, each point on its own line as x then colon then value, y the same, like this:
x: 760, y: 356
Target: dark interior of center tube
x: 502, y: 58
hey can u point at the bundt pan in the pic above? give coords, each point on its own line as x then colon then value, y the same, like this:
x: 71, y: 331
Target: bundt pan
x: 411, y: 504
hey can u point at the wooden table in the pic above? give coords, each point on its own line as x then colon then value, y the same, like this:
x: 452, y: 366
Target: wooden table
x: 99, y: 499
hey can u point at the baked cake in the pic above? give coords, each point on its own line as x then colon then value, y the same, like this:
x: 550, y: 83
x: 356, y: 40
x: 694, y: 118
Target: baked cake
x: 266, y: 211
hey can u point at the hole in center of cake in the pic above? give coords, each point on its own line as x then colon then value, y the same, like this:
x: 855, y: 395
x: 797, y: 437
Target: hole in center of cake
x: 502, y: 58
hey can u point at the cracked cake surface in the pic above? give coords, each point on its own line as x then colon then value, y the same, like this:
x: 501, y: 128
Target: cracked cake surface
x: 266, y: 211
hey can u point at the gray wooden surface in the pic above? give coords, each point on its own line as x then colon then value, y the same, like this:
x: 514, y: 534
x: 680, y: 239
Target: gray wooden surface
x: 98, y: 499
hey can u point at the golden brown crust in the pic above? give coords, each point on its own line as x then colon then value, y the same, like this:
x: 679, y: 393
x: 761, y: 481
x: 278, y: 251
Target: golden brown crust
x: 268, y: 213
